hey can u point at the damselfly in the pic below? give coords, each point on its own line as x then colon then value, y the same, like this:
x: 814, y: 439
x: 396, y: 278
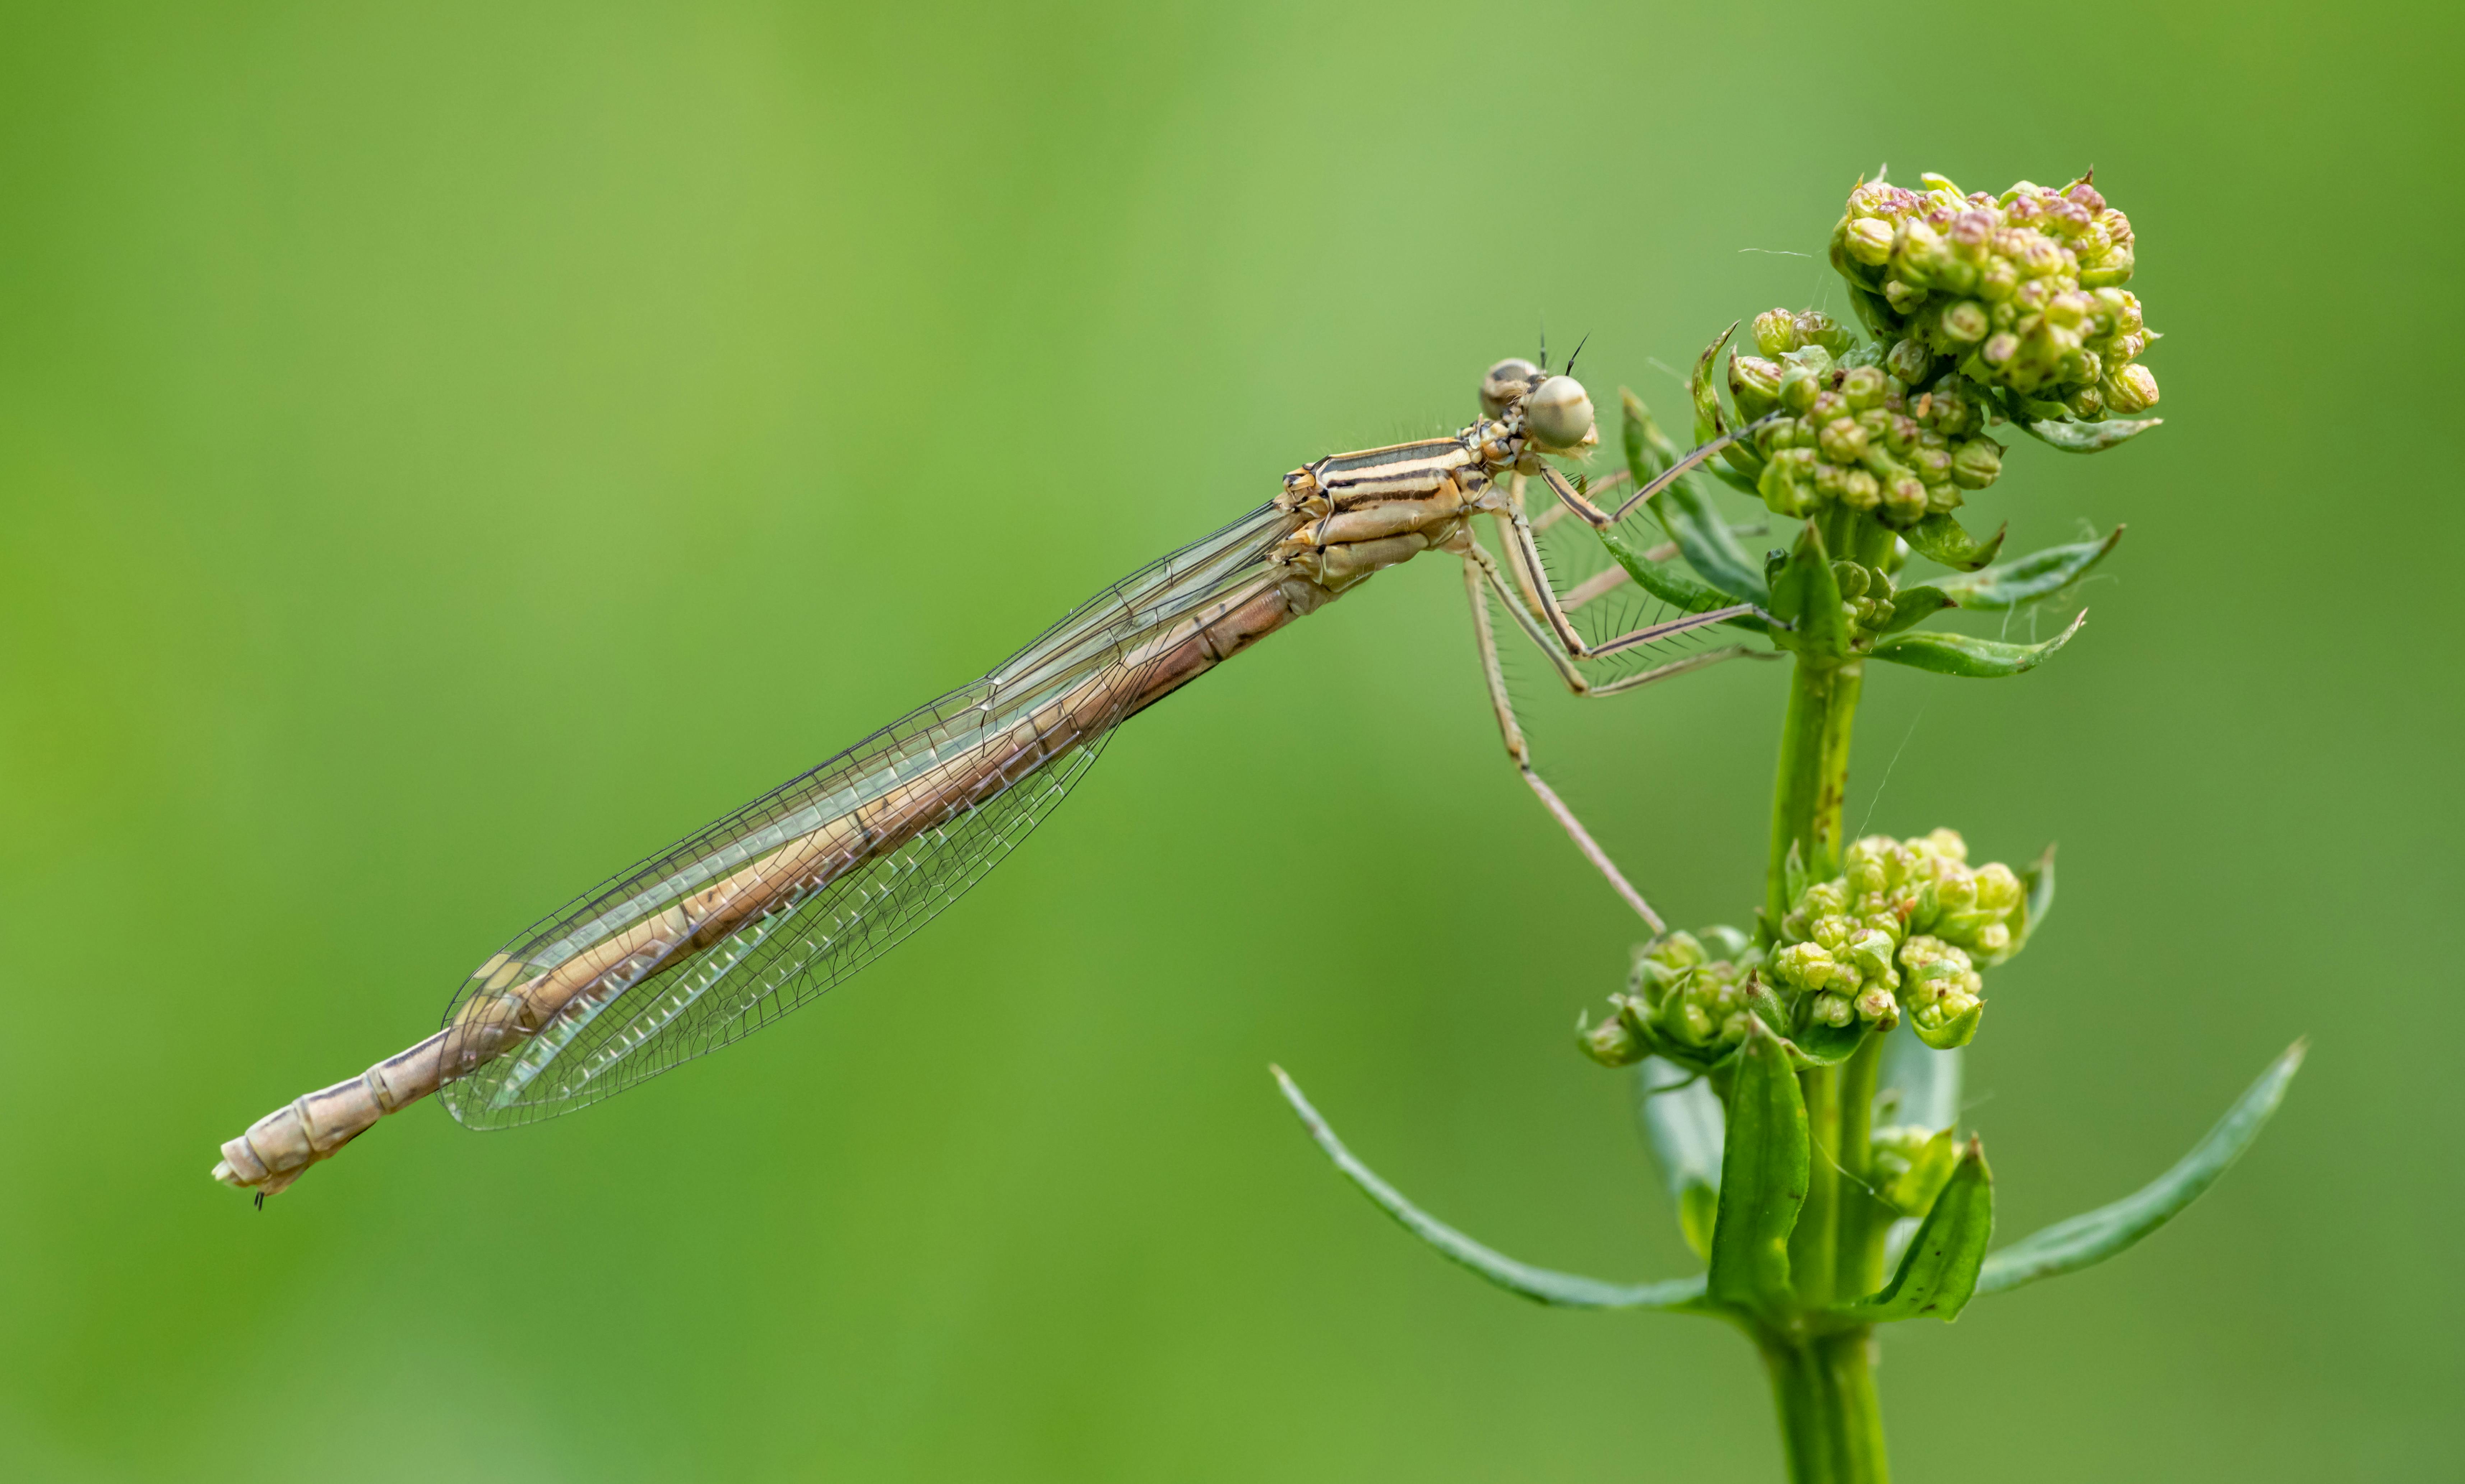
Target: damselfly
x: 739, y: 923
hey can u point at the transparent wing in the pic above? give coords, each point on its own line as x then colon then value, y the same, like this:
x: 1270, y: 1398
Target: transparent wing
x: 743, y: 920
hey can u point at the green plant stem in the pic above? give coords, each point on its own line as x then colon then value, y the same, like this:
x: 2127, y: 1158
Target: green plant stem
x: 1831, y: 1420
x: 1831, y: 1423
x: 1813, y: 776
x: 1857, y: 1268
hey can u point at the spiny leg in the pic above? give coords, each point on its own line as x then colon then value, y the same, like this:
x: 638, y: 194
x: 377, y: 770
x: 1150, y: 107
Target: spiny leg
x: 1521, y: 752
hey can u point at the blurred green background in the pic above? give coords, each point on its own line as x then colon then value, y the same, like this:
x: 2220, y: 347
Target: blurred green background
x: 449, y: 450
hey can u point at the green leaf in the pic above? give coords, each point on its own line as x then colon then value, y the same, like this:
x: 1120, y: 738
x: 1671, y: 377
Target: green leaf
x: 1676, y: 589
x: 1939, y: 1273
x: 1967, y: 657
x: 1685, y: 512
x: 2057, y: 429
x: 1825, y: 1045
x: 2090, y: 1238
x: 1704, y: 393
x: 1540, y: 1284
x: 1952, y: 1035
x: 1913, y: 606
x: 2032, y: 577
x: 1681, y: 1120
x: 1806, y: 596
x: 1941, y: 539
x: 1763, y: 1178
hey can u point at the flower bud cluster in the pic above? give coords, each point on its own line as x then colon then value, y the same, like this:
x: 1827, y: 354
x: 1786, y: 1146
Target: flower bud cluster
x: 1901, y: 929
x: 1865, y: 598
x: 1862, y: 435
x: 1680, y: 999
x: 2022, y: 290
x: 1910, y: 1167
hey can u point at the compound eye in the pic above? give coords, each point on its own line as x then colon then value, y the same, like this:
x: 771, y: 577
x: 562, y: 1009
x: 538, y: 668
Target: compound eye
x: 1506, y: 380
x: 1559, y: 413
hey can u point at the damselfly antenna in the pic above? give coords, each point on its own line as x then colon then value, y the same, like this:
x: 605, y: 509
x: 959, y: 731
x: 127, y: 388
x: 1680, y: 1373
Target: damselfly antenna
x: 1571, y: 360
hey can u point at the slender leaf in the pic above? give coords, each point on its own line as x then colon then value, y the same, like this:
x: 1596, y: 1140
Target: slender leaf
x: 1676, y: 589
x: 1806, y: 596
x: 1970, y: 658
x: 1681, y: 1120
x: 2032, y: 577
x: 2094, y: 1236
x: 1685, y: 512
x: 1704, y: 395
x: 1913, y: 606
x: 1567, y: 1290
x: 2051, y: 423
x: 1952, y: 1035
x: 1939, y: 1273
x: 1941, y: 539
x: 1763, y: 1178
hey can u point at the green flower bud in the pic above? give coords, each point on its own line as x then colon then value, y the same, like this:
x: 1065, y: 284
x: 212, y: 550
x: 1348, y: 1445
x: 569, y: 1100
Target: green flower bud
x: 1754, y: 383
x: 2109, y: 272
x: 1976, y: 464
x: 1613, y: 1043
x: 1870, y: 242
x: 1906, y: 501
x: 1817, y: 328
x: 1843, y: 440
x: 1833, y: 1010
x: 2130, y: 389
x: 1864, y: 387
x: 1850, y: 578
x: 1799, y: 387
x: 1998, y: 889
x: 1787, y: 483
x: 1804, y: 967
x: 2000, y: 351
x: 1997, y: 279
x: 1903, y: 295
x: 1861, y: 490
x: 1871, y: 952
x: 2087, y: 404
x: 1776, y: 333
x: 1909, y: 359
x: 1964, y: 322
x: 1875, y: 1005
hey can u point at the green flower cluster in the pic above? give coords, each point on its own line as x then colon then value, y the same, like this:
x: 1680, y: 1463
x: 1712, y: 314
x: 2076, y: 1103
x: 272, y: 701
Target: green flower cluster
x: 1858, y: 435
x: 1903, y: 927
x: 2022, y: 290
x: 1682, y: 999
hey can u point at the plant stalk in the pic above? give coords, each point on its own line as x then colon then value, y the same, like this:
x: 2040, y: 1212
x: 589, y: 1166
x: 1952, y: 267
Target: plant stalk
x: 1830, y: 1424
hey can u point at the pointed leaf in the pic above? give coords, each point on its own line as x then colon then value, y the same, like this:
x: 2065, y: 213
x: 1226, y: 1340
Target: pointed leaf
x: 1763, y: 1178
x: 1540, y: 1284
x: 1676, y: 589
x: 1938, y: 1274
x: 1704, y: 395
x: 2032, y: 577
x: 1685, y: 512
x: 1806, y: 596
x: 1681, y: 1120
x: 2051, y: 423
x: 1913, y: 606
x: 1941, y: 539
x: 1966, y: 658
x: 2094, y: 1236
x: 1952, y: 1035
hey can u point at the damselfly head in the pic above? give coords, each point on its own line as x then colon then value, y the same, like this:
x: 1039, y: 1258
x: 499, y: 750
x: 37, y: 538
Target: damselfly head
x: 1558, y: 413
x: 1507, y: 380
